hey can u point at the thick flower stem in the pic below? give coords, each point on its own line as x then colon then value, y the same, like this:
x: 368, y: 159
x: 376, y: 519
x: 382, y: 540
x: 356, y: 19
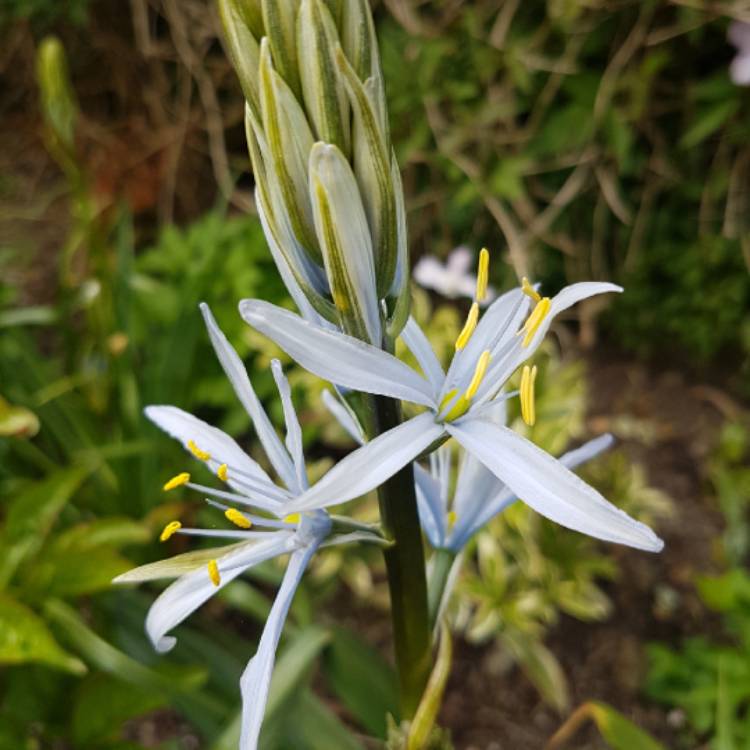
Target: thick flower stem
x: 406, y: 571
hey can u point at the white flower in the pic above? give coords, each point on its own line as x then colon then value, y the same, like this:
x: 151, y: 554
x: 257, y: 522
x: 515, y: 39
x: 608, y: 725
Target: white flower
x: 452, y: 278
x: 449, y: 523
x: 257, y: 537
x: 459, y: 402
x: 739, y: 69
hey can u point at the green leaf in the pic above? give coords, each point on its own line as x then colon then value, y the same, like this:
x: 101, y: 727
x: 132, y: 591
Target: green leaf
x: 316, y: 727
x: 424, y: 720
x: 24, y: 637
x: 115, y: 532
x: 73, y: 572
x: 541, y: 667
x: 103, y: 704
x: 620, y: 732
x: 708, y: 123
x: 111, y: 660
x: 31, y: 515
x: 290, y: 674
x: 294, y: 664
x: 362, y: 680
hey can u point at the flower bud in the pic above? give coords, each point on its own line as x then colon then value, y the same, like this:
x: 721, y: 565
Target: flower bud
x: 344, y: 237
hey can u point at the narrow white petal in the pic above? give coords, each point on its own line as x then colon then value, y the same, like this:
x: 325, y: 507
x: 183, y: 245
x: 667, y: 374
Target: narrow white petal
x: 336, y: 357
x: 293, y: 430
x: 551, y: 489
x: 515, y: 354
x: 369, y: 466
x: 184, y: 427
x: 497, y: 326
x: 430, y: 506
x: 477, y: 513
x: 420, y: 347
x: 237, y: 375
x: 187, y: 593
x: 344, y: 416
x: 256, y: 678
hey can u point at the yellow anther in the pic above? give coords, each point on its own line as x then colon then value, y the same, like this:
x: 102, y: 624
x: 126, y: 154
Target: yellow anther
x: 479, y: 372
x: 213, y: 572
x: 177, y: 481
x: 531, y: 326
x: 468, y: 329
x: 169, y: 530
x: 197, y: 452
x: 528, y: 407
x: 483, y: 274
x: 292, y: 518
x: 222, y: 472
x: 529, y: 290
x: 237, y: 518
x: 452, y: 518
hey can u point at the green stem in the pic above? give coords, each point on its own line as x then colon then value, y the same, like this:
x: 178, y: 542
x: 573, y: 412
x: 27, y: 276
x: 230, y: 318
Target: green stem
x: 442, y: 563
x: 406, y: 571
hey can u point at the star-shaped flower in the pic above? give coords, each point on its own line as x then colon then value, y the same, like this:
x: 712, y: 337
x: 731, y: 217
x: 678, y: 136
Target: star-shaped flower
x: 459, y: 402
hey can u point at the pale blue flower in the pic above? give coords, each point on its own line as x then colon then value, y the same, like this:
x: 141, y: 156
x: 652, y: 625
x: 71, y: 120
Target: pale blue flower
x: 459, y: 403
x: 258, y: 536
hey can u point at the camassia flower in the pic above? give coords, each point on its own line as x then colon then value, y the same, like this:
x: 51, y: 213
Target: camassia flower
x: 450, y: 521
x: 459, y: 402
x: 264, y: 525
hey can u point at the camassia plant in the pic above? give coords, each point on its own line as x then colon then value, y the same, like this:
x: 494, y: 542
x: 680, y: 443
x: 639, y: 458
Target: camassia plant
x: 331, y: 203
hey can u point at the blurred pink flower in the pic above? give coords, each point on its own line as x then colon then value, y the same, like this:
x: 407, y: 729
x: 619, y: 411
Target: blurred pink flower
x: 739, y: 69
x: 452, y: 278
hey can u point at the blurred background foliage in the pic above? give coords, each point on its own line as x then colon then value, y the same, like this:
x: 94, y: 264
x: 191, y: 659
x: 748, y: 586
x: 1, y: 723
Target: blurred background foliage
x: 575, y: 139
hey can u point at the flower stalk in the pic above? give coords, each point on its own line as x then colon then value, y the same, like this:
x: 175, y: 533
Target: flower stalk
x: 405, y: 564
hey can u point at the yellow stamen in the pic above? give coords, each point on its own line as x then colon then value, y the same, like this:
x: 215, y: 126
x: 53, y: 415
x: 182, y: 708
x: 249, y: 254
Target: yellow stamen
x: 452, y: 518
x: 535, y: 320
x: 222, y: 472
x: 468, y: 329
x: 169, y: 530
x: 237, y: 518
x: 528, y: 406
x: 483, y: 274
x: 197, y: 452
x: 213, y: 572
x: 479, y: 372
x: 177, y: 481
x: 529, y: 290
x: 292, y: 518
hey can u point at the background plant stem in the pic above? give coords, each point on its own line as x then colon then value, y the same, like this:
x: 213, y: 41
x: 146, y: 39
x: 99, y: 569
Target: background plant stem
x: 406, y: 571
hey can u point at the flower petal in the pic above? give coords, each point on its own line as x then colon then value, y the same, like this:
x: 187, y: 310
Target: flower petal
x: 237, y: 374
x: 551, y: 489
x: 515, y: 354
x: 256, y: 678
x: 293, y: 430
x: 336, y: 357
x: 477, y: 513
x: 344, y: 416
x: 420, y: 347
x: 223, y: 450
x: 430, y: 506
x: 372, y: 464
x: 187, y: 593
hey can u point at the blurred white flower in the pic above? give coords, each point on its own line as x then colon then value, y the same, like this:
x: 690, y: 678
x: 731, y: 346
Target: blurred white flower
x: 452, y: 278
x: 739, y: 36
